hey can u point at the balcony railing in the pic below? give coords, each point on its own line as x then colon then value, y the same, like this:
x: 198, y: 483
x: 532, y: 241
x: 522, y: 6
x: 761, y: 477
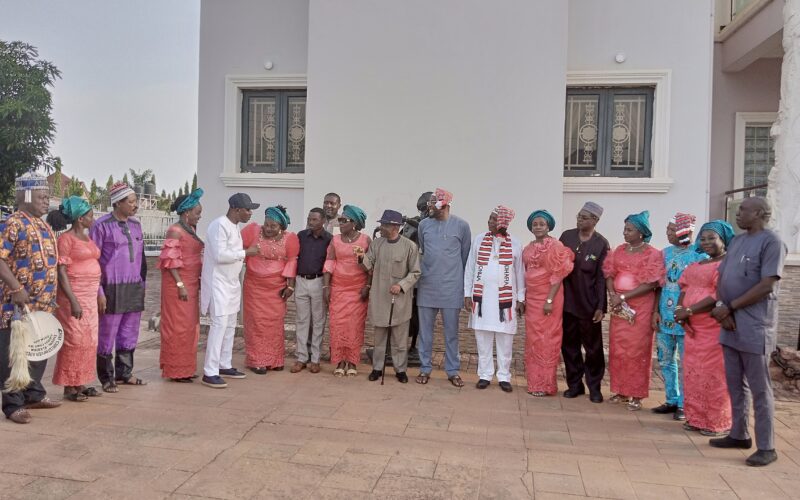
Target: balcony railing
x: 734, y: 198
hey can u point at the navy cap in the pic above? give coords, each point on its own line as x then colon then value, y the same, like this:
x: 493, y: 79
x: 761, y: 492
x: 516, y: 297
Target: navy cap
x: 242, y: 200
x: 391, y: 217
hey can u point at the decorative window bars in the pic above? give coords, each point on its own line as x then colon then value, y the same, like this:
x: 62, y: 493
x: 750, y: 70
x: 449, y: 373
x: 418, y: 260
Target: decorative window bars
x: 273, y: 131
x: 608, y: 131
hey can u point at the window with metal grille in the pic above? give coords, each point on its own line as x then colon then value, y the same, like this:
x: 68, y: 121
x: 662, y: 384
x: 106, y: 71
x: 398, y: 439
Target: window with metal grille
x: 759, y: 155
x: 608, y: 131
x: 274, y: 130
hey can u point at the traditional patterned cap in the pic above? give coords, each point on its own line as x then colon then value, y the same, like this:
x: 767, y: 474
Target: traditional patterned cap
x: 443, y: 198
x: 684, y: 227
x: 119, y: 191
x: 31, y: 181
x: 504, y: 216
x: 593, y: 208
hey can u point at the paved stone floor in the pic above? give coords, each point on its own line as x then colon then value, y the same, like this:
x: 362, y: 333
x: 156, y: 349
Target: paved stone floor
x: 316, y: 436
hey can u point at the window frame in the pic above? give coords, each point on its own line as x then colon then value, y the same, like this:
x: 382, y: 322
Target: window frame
x: 743, y: 119
x: 605, y: 120
x: 282, y: 97
x: 231, y: 174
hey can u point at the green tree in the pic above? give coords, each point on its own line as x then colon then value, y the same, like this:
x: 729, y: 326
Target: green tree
x: 186, y: 188
x: 174, y: 196
x: 94, y: 195
x: 125, y: 179
x: 109, y: 182
x: 194, y: 181
x: 26, y: 127
x: 58, y: 189
x: 180, y: 192
x: 163, y: 193
x: 74, y: 188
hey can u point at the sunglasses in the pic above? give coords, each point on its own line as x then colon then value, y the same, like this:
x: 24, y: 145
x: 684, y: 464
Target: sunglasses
x: 344, y: 220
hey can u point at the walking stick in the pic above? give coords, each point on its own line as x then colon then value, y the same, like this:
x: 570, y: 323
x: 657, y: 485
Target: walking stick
x: 388, y: 338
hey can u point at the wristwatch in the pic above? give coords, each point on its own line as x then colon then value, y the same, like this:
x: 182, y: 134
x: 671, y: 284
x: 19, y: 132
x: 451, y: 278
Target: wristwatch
x: 179, y: 284
x: 720, y: 304
x: 549, y: 301
x: 622, y: 297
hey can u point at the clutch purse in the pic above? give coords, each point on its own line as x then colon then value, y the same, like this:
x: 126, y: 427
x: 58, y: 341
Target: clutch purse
x: 625, y: 312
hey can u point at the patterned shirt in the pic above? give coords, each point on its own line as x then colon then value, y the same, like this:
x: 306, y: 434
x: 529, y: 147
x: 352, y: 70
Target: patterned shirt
x: 676, y: 260
x: 28, y: 247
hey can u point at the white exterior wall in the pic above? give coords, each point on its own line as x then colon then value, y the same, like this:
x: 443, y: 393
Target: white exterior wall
x: 467, y: 95
x: 653, y: 35
x: 407, y: 96
x: 236, y: 37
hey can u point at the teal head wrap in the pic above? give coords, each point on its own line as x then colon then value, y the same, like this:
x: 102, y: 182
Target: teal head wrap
x: 544, y: 214
x: 355, y: 214
x: 279, y: 215
x: 190, y: 201
x: 641, y: 222
x: 74, y: 207
x: 721, y: 227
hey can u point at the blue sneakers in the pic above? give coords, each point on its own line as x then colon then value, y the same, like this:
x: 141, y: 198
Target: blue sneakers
x: 231, y: 373
x: 215, y: 382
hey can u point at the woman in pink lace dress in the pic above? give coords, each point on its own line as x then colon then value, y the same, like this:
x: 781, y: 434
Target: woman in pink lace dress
x: 633, y: 271
x: 181, y: 263
x: 79, y: 299
x: 547, y: 262
x: 346, y: 291
x: 268, y: 283
x: 706, y: 401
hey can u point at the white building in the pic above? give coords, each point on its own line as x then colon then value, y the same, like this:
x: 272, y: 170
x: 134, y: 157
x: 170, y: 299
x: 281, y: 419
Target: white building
x: 380, y: 101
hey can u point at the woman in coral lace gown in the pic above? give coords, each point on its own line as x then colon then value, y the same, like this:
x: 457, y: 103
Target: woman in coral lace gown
x: 181, y: 262
x: 268, y: 282
x: 547, y: 262
x: 706, y: 401
x: 79, y: 299
x: 346, y: 291
x: 633, y: 271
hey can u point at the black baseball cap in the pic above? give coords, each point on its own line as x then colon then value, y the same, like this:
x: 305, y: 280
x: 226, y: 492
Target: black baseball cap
x: 242, y: 200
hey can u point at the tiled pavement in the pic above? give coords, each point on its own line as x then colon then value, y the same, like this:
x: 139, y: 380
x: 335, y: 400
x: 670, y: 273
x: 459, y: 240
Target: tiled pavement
x: 316, y: 436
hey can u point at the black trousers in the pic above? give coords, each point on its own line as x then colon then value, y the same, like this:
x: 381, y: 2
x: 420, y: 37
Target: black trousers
x: 13, y: 401
x: 583, y: 333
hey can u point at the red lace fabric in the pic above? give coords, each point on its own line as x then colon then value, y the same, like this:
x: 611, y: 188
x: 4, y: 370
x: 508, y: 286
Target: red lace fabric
x: 706, y: 401
x: 546, y: 264
x: 347, y: 312
x: 264, y: 309
x: 76, y: 361
x: 630, y: 356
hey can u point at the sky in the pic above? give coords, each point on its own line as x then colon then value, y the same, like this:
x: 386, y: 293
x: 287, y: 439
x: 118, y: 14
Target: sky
x: 127, y: 97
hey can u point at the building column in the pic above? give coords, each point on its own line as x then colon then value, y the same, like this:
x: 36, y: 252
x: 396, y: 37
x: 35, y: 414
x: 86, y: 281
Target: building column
x: 784, y: 178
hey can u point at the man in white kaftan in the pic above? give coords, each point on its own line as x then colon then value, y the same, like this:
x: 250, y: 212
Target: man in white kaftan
x: 494, y: 280
x: 220, y: 290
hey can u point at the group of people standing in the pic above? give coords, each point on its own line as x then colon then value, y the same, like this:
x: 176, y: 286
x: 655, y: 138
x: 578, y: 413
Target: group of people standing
x: 712, y: 304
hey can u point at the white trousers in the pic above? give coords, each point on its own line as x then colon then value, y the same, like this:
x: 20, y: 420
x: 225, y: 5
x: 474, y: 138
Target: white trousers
x: 219, y: 345
x: 505, y: 342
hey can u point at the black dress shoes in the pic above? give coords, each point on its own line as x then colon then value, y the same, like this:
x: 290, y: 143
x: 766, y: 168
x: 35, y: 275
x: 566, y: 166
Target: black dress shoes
x: 729, y: 442
x: 596, y: 397
x: 374, y: 375
x: 665, y: 408
x: 574, y: 393
x: 402, y: 377
x: 761, y: 458
x: 482, y: 384
x: 679, y: 415
x: 506, y: 386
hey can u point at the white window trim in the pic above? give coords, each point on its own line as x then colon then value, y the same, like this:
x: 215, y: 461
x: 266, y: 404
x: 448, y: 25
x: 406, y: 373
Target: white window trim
x: 742, y: 119
x: 231, y: 175
x: 659, y: 180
